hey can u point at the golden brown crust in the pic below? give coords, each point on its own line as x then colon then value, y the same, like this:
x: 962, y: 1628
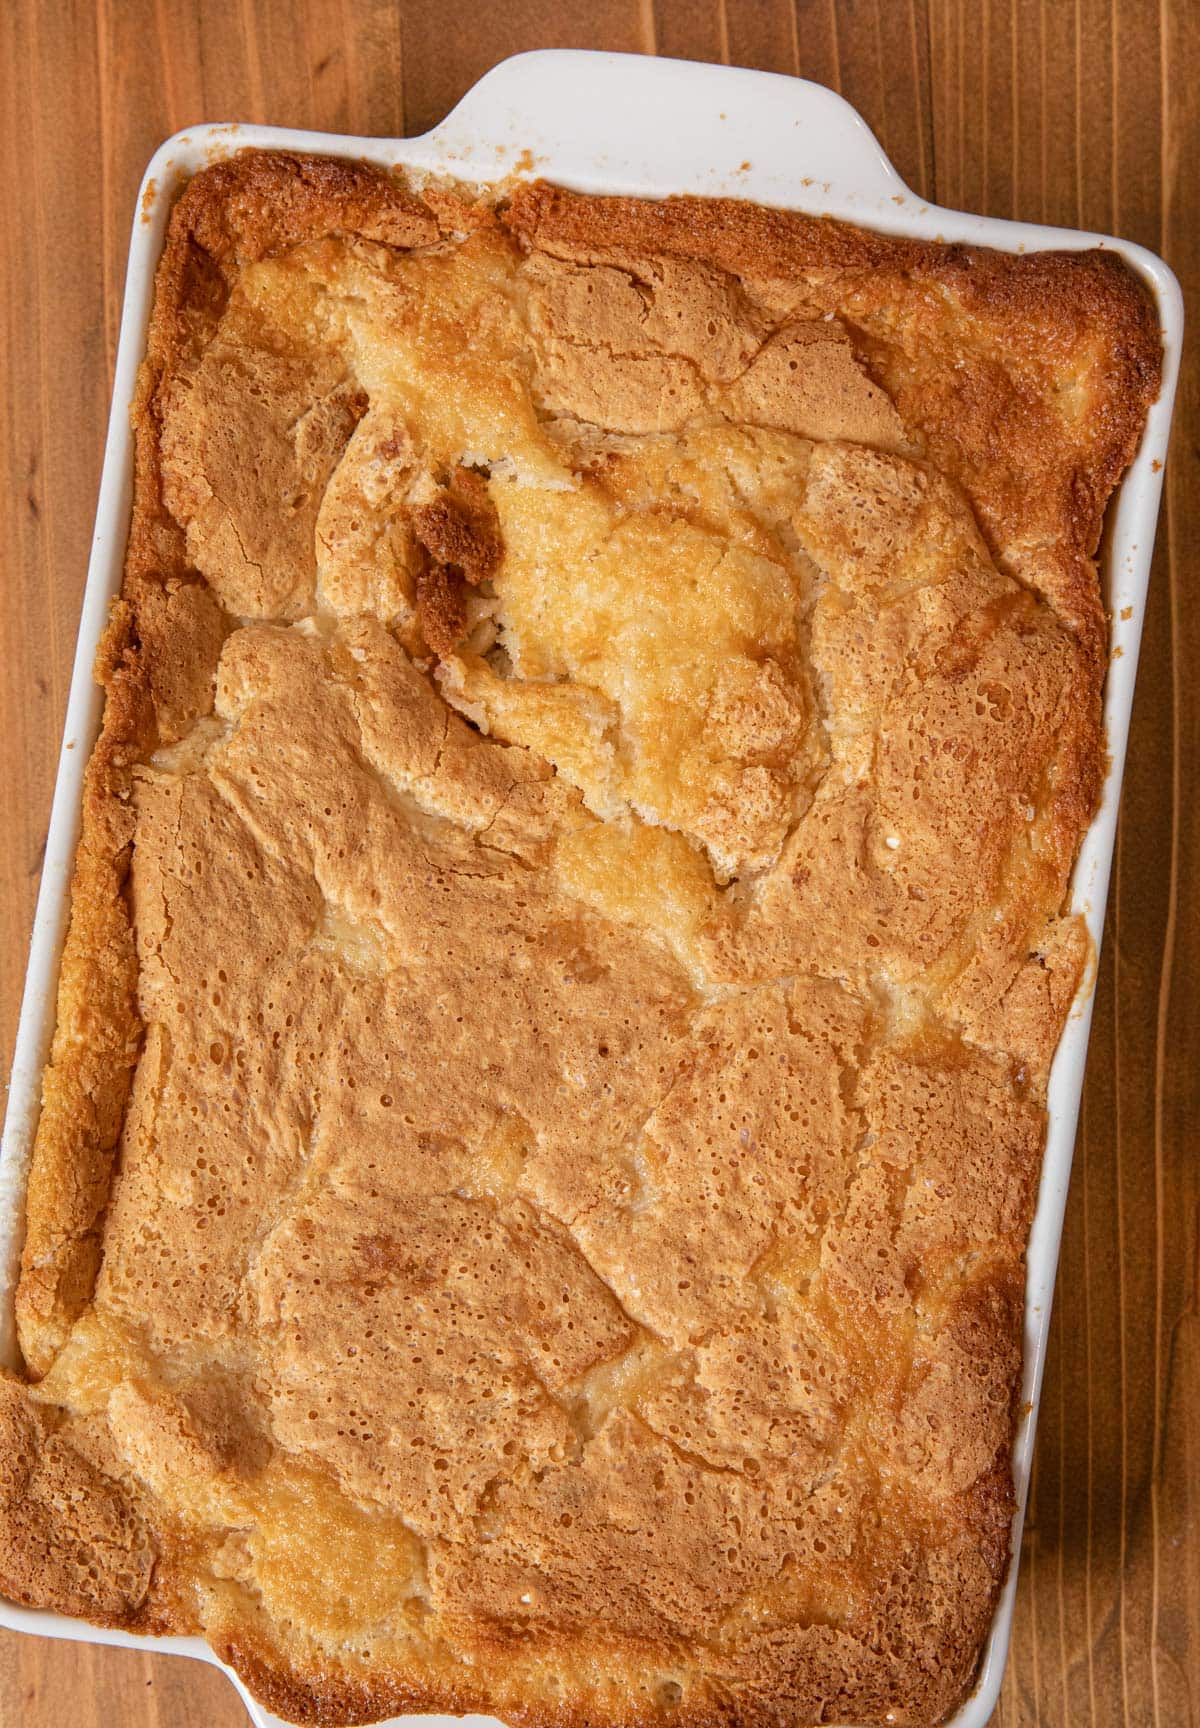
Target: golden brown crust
x: 68, y: 1534
x: 265, y: 201
x: 86, y: 1084
x: 457, y: 526
x: 973, y: 345
x: 572, y: 1183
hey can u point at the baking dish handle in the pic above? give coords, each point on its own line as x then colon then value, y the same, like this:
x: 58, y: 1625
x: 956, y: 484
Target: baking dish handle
x: 627, y: 118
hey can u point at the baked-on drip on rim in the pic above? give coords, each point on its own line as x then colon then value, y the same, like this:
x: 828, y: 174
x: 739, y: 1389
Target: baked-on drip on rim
x: 567, y: 944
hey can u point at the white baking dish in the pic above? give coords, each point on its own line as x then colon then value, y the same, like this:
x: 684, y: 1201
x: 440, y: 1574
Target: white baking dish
x: 614, y: 123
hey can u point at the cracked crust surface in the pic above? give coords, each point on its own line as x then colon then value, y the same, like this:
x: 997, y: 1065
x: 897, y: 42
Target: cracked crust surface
x: 567, y: 944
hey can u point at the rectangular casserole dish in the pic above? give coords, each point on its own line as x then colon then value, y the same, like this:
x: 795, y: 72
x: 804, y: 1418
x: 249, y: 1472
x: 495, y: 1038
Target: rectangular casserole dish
x: 681, y: 128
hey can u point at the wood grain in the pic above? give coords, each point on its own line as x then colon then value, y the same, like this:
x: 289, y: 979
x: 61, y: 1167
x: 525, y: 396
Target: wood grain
x: 1075, y: 111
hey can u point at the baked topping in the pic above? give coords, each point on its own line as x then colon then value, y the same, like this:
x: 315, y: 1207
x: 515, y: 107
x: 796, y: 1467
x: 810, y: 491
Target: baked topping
x: 599, y: 950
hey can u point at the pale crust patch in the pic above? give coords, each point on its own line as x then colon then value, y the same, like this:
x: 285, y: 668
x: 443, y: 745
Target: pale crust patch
x: 567, y: 947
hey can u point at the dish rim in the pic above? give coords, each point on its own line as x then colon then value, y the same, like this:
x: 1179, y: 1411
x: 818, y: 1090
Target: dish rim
x: 595, y: 122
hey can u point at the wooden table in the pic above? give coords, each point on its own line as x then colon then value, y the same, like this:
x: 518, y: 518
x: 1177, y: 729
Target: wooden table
x: 1085, y: 113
